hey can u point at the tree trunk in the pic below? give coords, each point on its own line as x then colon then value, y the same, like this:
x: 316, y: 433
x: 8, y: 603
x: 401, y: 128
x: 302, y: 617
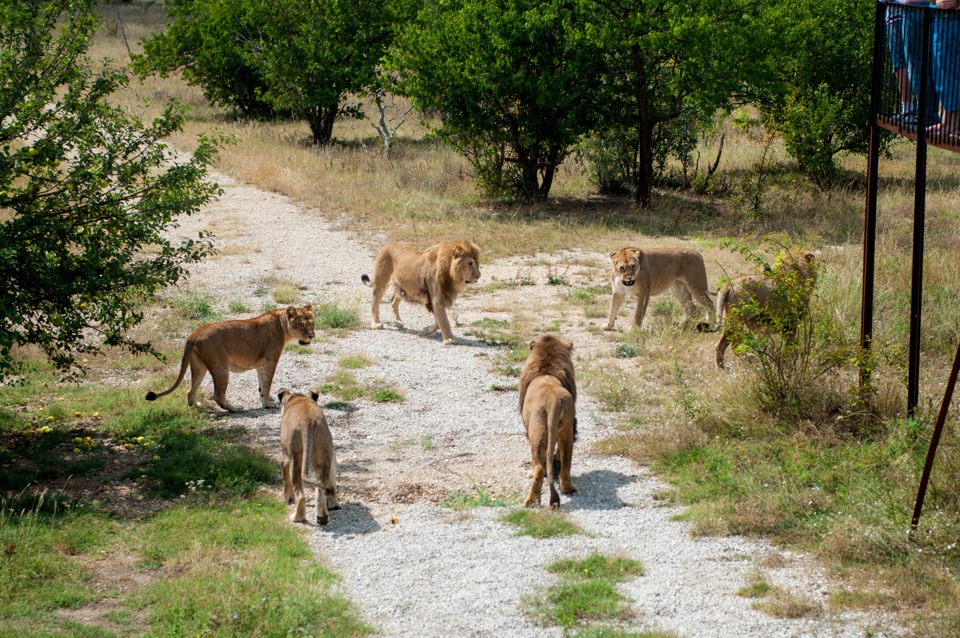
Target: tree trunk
x: 643, y: 177
x: 321, y: 124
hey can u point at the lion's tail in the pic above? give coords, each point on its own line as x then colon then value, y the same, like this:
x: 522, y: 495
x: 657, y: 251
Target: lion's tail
x: 554, y: 416
x: 187, y: 351
x: 366, y: 280
x: 322, y: 471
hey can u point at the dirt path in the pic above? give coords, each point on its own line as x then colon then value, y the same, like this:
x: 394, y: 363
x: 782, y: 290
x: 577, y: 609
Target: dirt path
x: 416, y: 568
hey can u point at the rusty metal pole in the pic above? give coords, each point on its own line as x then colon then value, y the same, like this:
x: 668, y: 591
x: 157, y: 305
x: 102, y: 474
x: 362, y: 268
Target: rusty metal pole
x: 919, y: 204
x: 870, y: 214
x: 935, y: 440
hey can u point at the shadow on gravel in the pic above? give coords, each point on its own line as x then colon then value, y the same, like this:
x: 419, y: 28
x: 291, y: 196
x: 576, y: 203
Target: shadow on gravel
x: 461, y: 340
x: 350, y: 520
x: 598, y: 490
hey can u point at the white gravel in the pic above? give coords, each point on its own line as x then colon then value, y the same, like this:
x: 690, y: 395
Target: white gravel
x: 415, y: 568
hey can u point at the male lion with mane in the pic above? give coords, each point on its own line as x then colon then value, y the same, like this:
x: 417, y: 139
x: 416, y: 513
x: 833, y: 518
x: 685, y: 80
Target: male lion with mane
x: 548, y: 398
x: 239, y: 346
x: 757, y: 306
x: 433, y: 277
x: 652, y: 271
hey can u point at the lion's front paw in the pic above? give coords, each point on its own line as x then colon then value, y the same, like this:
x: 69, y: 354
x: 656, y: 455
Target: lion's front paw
x: 450, y: 341
x: 608, y: 327
x: 398, y: 324
x: 323, y: 520
x: 568, y: 488
x: 268, y: 403
x: 376, y: 325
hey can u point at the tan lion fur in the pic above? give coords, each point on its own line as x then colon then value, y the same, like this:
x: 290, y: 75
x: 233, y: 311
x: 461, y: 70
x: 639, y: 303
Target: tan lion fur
x: 548, y: 396
x: 757, y: 289
x: 433, y: 277
x: 306, y: 444
x: 239, y: 346
x: 652, y: 271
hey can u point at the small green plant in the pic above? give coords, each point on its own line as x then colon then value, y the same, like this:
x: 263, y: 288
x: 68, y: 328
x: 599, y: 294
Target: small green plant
x: 479, y: 498
x: 286, y: 295
x: 354, y: 362
x: 296, y: 348
x: 587, y: 592
x: 194, y: 307
x: 330, y: 316
x: 386, y: 395
x: 238, y: 307
x: 626, y: 350
x: 540, y: 523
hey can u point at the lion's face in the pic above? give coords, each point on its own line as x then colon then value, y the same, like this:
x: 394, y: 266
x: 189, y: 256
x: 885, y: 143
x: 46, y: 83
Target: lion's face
x: 300, y: 321
x: 626, y: 265
x: 465, y: 266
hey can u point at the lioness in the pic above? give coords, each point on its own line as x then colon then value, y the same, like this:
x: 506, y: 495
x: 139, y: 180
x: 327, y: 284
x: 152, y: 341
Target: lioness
x: 306, y: 443
x: 752, y: 297
x: 238, y: 346
x: 548, y: 397
x: 643, y: 273
x: 433, y: 278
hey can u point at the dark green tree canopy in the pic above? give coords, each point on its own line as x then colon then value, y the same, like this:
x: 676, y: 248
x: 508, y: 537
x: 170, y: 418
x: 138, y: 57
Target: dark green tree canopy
x: 517, y: 82
x: 87, y: 191
x: 299, y: 58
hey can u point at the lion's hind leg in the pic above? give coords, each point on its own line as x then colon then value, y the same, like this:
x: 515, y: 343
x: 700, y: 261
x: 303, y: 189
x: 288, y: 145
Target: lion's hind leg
x: 300, y: 515
x: 398, y: 297
x: 565, y: 452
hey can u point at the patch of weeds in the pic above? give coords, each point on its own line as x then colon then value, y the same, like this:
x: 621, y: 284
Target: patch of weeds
x: 494, y: 331
x: 426, y: 443
x: 510, y: 370
x: 267, y: 306
x: 330, y: 316
x: 354, y: 361
x: 557, y: 280
x: 480, y: 498
x: 587, y: 592
x: 626, y: 351
x: 395, y: 445
x: 614, y: 632
x: 598, y: 566
x: 346, y: 387
x: 296, y: 348
x: 261, y: 290
x: 193, y: 307
x: 783, y: 604
x: 343, y: 385
x: 555, y: 325
x: 286, y: 295
x: 238, y: 307
x: 385, y: 395
x: 758, y: 587
x: 541, y: 523
x: 497, y: 387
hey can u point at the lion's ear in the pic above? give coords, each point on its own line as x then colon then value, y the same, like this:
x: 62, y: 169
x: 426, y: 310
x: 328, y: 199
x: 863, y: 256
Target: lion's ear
x: 282, y: 395
x: 569, y: 345
x: 308, y: 307
x: 314, y: 395
x: 613, y: 256
x: 458, y: 252
x: 532, y: 343
x: 291, y: 312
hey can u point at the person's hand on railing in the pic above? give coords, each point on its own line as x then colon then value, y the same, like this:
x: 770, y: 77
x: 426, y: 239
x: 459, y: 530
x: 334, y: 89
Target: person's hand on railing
x: 947, y: 4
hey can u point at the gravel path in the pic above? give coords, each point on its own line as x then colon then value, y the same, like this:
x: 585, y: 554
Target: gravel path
x: 416, y: 568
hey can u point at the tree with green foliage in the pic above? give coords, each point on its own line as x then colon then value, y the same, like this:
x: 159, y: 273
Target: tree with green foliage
x: 87, y: 191
x: 820, y: 101
x: 672, y: 60
x: 517, y: 82
x: 301, y: 58
x: 208, y: 41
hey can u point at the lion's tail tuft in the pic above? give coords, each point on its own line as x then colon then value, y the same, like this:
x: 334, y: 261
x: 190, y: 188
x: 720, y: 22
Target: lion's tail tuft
x: 366, y: 280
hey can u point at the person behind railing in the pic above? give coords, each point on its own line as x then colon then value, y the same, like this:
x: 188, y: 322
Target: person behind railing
x: 945, y: 49
x: 912, y: 34
x: 893, y: 21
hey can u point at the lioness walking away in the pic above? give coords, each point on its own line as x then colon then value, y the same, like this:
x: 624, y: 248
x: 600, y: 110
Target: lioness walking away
x: 433, y: 278
x: 652, y: 271
x: 239, y: 346
x: 758, y: 306
x: 548, y: 397
x: 306, y: 443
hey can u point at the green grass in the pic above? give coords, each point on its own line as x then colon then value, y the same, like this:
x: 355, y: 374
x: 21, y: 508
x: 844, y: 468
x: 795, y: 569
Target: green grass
x: 331, y: 316
x: 195, y: 308
x: 354, y: 362
x: 541, y: 524
x: 272, y: 587
x: 238, y: 307
x: 587, y: 593
x: 286, y: 295
x: 479, y: 498
x: 346, y: 387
